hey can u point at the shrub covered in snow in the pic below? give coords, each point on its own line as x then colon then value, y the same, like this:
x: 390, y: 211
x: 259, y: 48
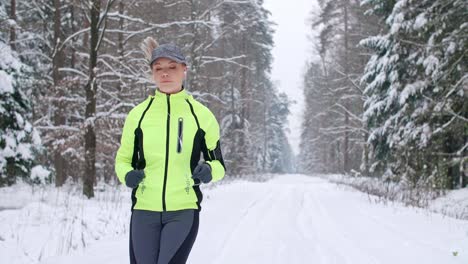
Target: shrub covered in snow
x: 40, y: 175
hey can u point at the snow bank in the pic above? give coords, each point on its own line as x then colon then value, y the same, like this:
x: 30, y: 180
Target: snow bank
x: 453, y: 204
x: 44, y: 221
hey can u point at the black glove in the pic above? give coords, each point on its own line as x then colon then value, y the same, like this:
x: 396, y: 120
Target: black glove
x: 134, y: 177
x: 202, y: 173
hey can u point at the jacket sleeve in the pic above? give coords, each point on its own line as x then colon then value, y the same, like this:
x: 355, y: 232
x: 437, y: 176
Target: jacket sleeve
x: 123, y: 159
x: 213, y: 155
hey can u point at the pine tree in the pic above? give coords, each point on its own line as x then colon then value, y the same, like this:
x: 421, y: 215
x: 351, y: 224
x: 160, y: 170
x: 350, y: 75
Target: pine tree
x: 18, y: 139
x: 416, y: 107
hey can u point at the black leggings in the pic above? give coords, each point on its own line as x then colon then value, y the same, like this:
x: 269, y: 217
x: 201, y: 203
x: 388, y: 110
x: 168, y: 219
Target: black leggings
x: 162, y: 237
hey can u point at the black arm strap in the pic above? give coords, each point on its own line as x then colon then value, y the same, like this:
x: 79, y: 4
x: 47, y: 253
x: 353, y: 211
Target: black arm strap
x: 138, y: 159
x: 208, y: 155
x: 216, y: 154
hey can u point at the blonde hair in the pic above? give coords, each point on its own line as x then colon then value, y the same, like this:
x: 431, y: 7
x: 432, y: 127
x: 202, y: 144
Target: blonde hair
x: 147, y: 46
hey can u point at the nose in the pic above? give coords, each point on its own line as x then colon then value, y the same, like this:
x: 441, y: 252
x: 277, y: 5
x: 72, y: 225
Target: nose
x: 165, y: 74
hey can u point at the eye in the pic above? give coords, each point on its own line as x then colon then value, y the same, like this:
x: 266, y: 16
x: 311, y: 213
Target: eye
x: 158, y: 69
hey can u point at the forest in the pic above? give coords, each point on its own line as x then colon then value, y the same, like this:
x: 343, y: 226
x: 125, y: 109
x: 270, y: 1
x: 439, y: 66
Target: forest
x: 71, y: 71
x: 386, y: 99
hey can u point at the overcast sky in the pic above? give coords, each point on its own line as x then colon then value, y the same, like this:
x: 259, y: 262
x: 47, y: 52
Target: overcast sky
x: 291, y: 51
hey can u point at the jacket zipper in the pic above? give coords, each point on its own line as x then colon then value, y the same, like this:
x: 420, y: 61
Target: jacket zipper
x: 167, y: 150
x: 179, y: 135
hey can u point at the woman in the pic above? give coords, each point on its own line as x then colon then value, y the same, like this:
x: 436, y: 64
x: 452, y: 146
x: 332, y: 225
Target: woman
x: 159, y: 157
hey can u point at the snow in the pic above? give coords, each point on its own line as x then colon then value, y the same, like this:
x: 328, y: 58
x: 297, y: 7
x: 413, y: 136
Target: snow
x: 396, y: 23
x: 36, y: 138
x: 40, y: 173
x: 19, y: 119
x: 426, y: 134
x: 287, y: 219
x: 6, y: 83
x: 458, y: 201
x: 8, y: 58
x: 411, y: 89
x: 10, y: 145
x: 24, y: 150
x: 420, y: 21
x: 451, y: 48
x: 14, y: 146
x: 44, y: 221
x: 430, y: 64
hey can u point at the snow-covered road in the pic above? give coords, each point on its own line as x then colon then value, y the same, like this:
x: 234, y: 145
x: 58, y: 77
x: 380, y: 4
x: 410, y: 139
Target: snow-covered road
x: 287, y: 220
x: 299, y: 219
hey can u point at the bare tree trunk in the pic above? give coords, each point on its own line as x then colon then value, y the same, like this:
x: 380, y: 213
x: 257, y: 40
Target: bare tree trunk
x: 90, y: 114
x: 346, y: 167
x: 234, y: 127
x: 59, y: 119
x: 193, y: 78
x: 265, y: 130
x: 243, y: 110
x: 121, y: 39
x: 121, y: 53
x: 366, y: 155
x: 73, y: 50
x: 12, y: 28
x: 452, y: 170
x: 463, y: 165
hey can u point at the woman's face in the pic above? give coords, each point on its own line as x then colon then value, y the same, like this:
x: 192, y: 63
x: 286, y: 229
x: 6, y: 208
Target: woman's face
x: 168, y: 75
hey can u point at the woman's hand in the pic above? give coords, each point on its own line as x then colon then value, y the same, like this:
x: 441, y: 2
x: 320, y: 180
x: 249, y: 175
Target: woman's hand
x: 134, y: 177
x: 202, y: 173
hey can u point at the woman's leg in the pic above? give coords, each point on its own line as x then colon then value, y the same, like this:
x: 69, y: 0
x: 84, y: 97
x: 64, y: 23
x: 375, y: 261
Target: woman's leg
x: 145, y: 236
x: 178, y: 234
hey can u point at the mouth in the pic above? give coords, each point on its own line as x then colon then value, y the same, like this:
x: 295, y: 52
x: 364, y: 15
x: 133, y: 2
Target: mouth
x: 166, y: 81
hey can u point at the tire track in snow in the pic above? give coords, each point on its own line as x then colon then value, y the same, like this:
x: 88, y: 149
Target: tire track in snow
x: 336, y: 238
x: 258, y: 205
x: 305, y: 223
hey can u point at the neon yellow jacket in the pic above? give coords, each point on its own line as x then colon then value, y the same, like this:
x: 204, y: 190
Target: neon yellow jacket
x: 175, y: 130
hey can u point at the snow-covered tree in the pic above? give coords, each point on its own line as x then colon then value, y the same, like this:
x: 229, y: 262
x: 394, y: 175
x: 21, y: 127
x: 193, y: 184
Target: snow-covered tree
x: 278, y: 155
x: 18, y: 139
x: 82, y: 82
x: 252, y: 117
x: 334, y: 133
x: 416, y: 107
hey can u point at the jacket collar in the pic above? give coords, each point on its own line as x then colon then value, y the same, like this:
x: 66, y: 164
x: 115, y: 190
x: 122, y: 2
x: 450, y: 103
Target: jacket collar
x: 182, y: 94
